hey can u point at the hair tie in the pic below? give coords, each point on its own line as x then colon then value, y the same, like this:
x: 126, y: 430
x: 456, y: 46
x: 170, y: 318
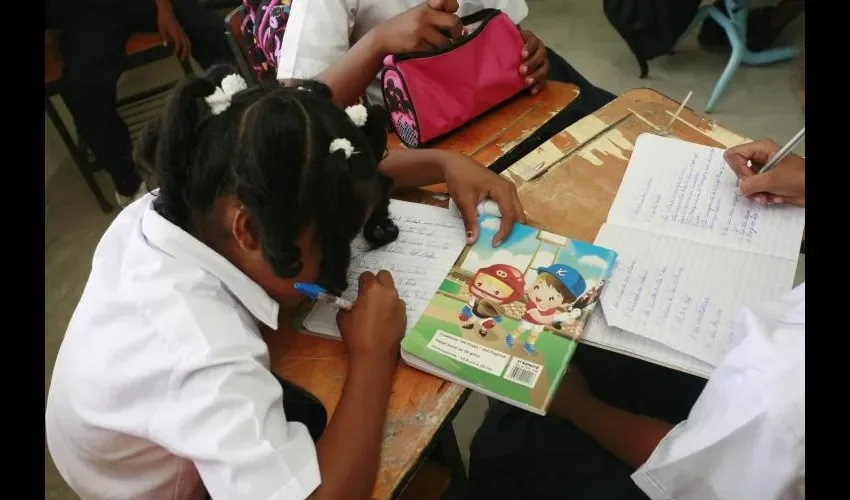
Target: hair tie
x: 220, y: 99
x: 344, y: 145
x: 357, y: 114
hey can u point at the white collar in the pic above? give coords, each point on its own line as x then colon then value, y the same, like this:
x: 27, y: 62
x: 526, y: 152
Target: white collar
x: 182, y: 246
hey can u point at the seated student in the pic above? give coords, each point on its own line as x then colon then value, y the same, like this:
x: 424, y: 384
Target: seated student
x: 612, y: 435
x: 162, y: 384
x: 93, y: 34
x: 319, y: 32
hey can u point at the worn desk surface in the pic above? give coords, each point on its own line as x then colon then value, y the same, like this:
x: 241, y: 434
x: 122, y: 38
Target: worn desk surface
x: 420, y: 404
x: 493, y: 134
x: 568, y: 184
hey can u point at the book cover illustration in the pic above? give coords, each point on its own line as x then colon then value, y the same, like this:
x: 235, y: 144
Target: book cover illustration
x: 507, y: 319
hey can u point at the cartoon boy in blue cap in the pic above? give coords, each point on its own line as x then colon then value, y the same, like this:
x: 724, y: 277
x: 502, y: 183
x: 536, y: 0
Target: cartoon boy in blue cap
x: 556, y: 286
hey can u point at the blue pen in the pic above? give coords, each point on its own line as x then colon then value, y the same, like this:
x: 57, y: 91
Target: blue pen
x: 318, y: 293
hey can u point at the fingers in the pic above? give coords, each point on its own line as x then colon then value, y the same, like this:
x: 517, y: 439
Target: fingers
x: 504, y: 198
x: 450, y: 6
x: 520, y: 210
x: 538, y: 78
x: 448, y: 23
x: 758, y: 186
x: 366, y: 280
x: 178, y: 47
x: 532, y: 43
x: 468, y: 208
x: 385, y: 278
x: 187, y: 47
x: 757, y: 153
x: 433, y: 37
x: 163, y: 34
x: 532, y: 64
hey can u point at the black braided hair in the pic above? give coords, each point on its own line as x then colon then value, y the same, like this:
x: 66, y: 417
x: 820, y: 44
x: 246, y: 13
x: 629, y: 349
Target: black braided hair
x: 271, y: 149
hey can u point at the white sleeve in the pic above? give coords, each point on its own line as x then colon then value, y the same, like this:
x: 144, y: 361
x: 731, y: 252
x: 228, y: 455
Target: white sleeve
x: 745, y: 435
x: 517, y: 10
x: 751, y: 461
x: 224, y: 412
x: 317, y: 35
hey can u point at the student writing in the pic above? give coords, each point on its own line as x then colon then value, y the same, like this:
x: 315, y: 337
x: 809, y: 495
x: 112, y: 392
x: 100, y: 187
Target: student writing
x: 162, y: 387
x: 622, y: 428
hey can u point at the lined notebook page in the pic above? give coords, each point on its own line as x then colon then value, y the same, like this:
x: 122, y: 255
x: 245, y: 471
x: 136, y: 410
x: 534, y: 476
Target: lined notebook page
x: 688, y: 191
x: 430, y: 241
x: 598, y: 333
x: 683, y: 294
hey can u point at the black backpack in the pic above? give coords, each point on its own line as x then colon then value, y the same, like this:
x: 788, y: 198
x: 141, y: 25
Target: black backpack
x: 650, y: 27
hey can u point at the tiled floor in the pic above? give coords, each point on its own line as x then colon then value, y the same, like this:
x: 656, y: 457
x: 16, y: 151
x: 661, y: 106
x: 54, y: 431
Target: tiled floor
x: 760, y: 102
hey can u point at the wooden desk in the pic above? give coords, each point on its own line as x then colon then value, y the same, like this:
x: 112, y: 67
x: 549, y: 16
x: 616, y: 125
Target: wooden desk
x: 573, y: 195
x: 421, y: 406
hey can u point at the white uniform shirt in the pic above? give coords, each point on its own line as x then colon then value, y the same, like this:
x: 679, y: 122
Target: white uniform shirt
x: 319, y: 32
x: 163, y: 380
x: 745, y: 437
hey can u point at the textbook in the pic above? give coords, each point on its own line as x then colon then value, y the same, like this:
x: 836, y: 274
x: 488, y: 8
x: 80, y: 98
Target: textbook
x: 503, y: 321
x: 506, y: 321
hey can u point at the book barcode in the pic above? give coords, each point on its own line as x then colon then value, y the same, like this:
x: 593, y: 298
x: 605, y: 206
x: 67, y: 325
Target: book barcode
x: 523, y: 372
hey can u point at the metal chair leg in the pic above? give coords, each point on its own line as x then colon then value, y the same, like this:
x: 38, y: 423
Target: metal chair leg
x: 734, y: 23
x: 79, y: 158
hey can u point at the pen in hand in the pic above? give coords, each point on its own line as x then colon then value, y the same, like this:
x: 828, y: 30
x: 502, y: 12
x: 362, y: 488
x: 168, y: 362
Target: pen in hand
x: 783, y: 152
x: 319, y: 294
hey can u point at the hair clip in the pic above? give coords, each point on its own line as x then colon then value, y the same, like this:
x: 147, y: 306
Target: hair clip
x: 220, y: 99
x: 344, y: 145
x: 357, y: 114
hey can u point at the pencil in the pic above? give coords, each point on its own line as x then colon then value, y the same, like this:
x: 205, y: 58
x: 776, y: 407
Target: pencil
x: 782, y: 153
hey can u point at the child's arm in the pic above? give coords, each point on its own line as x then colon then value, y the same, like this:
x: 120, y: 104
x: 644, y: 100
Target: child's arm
x: 350, y: 76
x: 467, y: 181
x: 419, y: 28
x: 628, y: 436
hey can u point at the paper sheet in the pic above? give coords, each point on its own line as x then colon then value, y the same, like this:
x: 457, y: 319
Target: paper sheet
x: 692, y: 252
x: 430, y: 241
x: 687, y: 191
x: 598, y: 333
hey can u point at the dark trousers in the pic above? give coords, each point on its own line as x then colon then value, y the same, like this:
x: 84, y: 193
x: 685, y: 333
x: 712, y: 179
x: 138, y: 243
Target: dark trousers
x: 301, y: 406
x: 589, y: 100
x: 516, y: 454
x: 93, y: 38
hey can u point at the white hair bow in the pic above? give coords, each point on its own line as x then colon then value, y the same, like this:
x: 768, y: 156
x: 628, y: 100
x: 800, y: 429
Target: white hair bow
x: 220, y: 99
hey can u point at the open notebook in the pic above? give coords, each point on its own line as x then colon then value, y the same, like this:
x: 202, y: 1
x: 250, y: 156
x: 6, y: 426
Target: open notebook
x: 502, y: 321
x: 430, y: 240
x: 692, y: 253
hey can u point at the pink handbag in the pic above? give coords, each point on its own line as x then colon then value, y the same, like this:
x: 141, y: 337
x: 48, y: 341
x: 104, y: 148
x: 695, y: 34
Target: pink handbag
x: 429, y: 94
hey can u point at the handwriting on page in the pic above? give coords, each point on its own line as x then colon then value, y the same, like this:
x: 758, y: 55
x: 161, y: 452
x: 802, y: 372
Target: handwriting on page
x: 430, y: 240
x: 684, y: 294
x: 688, y: 191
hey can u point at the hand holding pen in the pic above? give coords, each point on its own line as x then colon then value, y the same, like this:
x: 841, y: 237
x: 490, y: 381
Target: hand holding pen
x: 767, y: 173
x: 372, y: 327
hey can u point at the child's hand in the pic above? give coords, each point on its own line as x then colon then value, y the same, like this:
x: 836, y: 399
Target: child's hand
x: 421, y: 28
x: 470, y: 183
x: 170, y: 30
x: 535, y: 62
x: 784, y: 184
x: 373, y: 329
